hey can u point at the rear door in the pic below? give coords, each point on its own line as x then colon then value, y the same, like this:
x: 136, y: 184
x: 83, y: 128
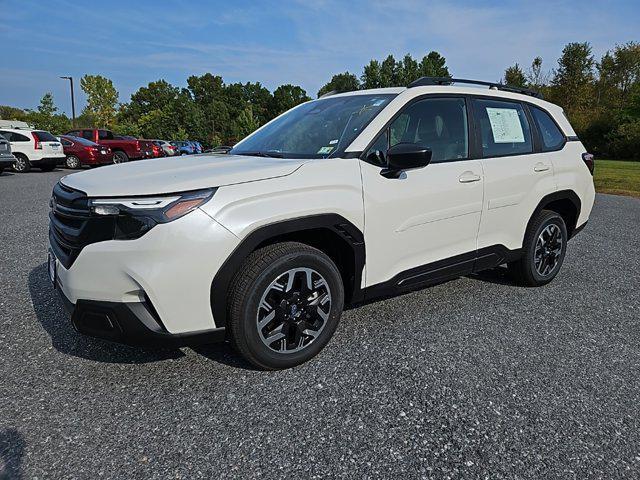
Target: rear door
x: 429, y: 214
x: 516, y: 178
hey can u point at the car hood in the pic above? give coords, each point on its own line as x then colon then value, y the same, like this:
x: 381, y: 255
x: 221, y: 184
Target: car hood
x: 178, y: 174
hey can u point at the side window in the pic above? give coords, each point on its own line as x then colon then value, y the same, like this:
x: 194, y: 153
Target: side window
x: 16, y: 137
x: 504, y: 128
x: 6, y: 135
x: 552, y: 137
x: 436, y: 123
x: 65, y: 142
x: 105, y: 135
x: 74, y: 133
x: 88, y: 134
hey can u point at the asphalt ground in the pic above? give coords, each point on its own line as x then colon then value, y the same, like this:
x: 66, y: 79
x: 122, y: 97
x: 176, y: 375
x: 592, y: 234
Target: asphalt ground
x: 473, y: 378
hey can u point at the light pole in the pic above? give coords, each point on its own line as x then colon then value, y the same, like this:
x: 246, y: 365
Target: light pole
x: 73, y: 103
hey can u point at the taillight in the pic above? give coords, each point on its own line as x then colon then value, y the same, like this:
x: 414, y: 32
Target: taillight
x: 91, y: 150
x: 590, y: 161
x: 137, y: 145
x: 36, y: 139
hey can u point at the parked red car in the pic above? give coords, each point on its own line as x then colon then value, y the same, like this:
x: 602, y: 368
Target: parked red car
x: 123, y: 148
x: 157, y: 150
x: 80, y: 151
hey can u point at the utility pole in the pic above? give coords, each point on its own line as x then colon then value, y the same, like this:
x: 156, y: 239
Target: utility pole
x: 73, y: 103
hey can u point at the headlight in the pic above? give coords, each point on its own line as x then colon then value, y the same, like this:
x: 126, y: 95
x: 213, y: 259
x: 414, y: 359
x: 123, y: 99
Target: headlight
x: 134, y: 216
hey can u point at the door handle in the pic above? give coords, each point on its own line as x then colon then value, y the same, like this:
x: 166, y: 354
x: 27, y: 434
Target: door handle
x: 541, y: 167
x: 468, y: 177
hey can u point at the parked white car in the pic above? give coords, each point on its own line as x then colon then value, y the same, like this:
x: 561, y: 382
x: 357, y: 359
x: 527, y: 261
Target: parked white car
x: 33, y: 148
x: 344, y: 199
x: 168, y: 149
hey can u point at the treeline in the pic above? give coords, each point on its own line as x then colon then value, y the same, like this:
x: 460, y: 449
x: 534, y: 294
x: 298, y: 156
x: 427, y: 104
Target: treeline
x: 600, y: 97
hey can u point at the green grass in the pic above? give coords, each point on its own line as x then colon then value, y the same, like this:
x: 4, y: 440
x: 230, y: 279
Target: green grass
x: 617, y: 177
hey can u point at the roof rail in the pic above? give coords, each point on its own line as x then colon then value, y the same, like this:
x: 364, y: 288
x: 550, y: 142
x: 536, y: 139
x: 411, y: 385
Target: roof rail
x: 424, y: 81
x: 328, y: 94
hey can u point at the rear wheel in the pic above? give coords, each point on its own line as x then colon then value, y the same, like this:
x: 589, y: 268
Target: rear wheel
x: 120, y: 157
x: 21, y: 165
x: 544, y: 248
x: 285, y: 304
x: 73, y: 162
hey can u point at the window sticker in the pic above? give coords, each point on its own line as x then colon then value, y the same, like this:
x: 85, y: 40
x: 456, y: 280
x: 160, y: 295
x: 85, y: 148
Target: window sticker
x: 505, y: 125
x: 333, y: 142
x: 324, y: 150
x: 377, y: 103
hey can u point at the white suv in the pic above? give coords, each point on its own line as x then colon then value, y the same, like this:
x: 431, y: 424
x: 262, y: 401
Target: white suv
x: 33, y: 148
x: 344, y: 199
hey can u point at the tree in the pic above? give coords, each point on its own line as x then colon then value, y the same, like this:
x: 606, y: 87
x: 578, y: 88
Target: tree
x: 407, y: 70
x: 434, y: 65
x: 45, y: 117
x: 371, y: 75
x: 514, y: 76
x: 342, y: 82
x: 536, y: 77
x: 286, y: 97
x: 573, y: 83
x: 246, y: 123
x: 102, y: 98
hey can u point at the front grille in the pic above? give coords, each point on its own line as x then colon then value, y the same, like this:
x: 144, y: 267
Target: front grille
x: 72, y: 226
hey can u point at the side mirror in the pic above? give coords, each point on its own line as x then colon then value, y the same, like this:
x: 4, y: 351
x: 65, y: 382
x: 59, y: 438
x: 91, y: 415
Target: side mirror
x: 405, y: 156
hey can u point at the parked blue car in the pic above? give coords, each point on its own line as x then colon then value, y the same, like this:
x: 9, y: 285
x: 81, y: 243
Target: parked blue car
x: 197, y: 146
x: 184, y: 148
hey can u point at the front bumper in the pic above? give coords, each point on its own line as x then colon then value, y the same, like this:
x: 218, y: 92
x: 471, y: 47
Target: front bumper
x: 134, y: 323
x: 170, y: 267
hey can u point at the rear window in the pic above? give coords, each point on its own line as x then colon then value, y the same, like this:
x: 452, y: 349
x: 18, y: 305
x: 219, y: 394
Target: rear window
x: 84, y: 141
x: 105, y: 135
x: 45, y: 136
x: 552, y: 137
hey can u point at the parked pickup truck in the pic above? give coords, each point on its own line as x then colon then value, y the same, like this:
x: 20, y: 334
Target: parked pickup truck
x: 124, y: 149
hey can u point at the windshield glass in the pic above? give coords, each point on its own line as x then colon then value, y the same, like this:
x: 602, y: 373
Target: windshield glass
x: 317, y: 129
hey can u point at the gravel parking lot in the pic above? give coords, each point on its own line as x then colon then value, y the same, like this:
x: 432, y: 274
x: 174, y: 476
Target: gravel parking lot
x: 473, y: 378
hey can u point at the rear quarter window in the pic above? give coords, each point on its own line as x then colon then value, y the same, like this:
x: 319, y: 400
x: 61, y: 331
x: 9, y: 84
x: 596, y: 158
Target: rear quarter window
x: 552, y: 137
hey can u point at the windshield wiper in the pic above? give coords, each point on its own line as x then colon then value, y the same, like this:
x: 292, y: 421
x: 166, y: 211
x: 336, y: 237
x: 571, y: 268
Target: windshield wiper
x: 267, y: 153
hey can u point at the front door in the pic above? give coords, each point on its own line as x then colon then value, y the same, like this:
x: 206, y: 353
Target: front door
x: 428, y: 214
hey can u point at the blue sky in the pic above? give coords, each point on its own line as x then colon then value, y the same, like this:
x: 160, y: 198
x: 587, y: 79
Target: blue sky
x: 276, y: 42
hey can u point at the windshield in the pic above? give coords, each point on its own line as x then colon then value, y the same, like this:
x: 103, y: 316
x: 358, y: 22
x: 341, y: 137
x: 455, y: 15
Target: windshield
x: 317, y: 129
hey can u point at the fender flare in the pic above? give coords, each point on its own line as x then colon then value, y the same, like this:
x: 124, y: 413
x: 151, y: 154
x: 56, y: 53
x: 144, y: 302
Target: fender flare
x: 339, y: 225
x: 553, y: 197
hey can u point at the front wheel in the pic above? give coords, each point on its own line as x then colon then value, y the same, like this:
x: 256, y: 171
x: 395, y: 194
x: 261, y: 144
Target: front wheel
x: 285, y: 304
x: 120, y: 157
x: 544, y: 248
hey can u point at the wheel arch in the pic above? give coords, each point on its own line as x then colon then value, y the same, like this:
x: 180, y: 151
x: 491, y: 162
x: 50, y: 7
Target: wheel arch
x: 333, y: 234
x: 565, y: 203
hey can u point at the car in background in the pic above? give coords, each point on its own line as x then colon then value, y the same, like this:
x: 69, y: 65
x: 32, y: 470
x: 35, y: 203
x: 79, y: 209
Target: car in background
x: 169, y: 150
x: 184, y: 148
x: 33, y: 148
x: 198, y: 147
x: 157, y: 150
x: 80, y: 152
x: 124, y: 148
x: 221, y: 149
x: 6, y: 157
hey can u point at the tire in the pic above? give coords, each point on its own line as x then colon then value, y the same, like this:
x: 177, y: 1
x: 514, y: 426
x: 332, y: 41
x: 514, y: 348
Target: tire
x: 73, y: 162
x: 120, y: 157
x: 544, y: 249
x: 22, y: 164
x: 47, y: 168
x: 271, y: 288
